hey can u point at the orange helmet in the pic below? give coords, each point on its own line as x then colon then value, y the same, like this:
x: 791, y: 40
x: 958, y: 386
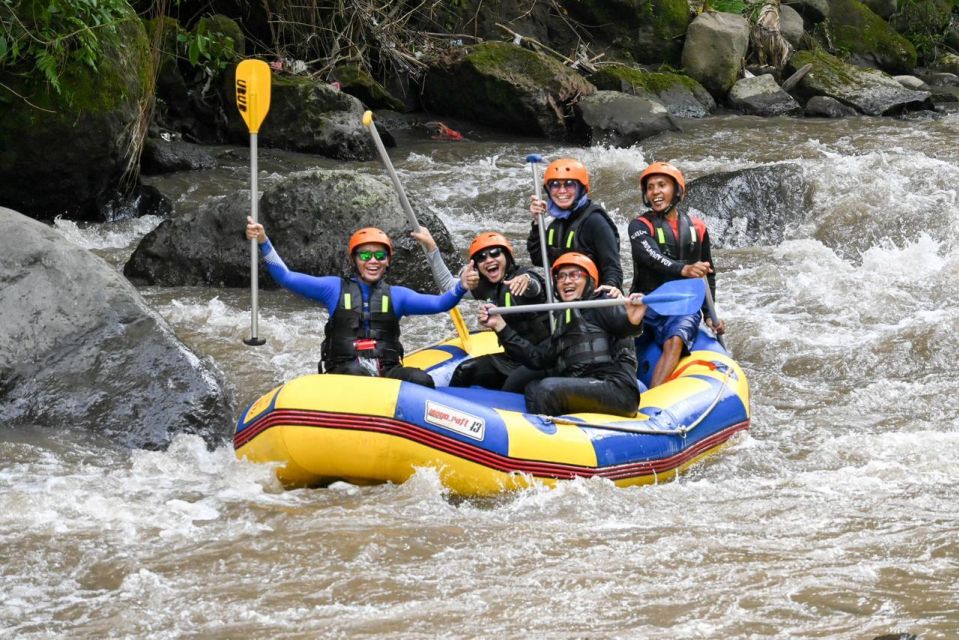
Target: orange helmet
x: 566, y: 168
x: 666, y: 169
x: 490, y: 239
x: 370, y: 234
x: 577, y: 260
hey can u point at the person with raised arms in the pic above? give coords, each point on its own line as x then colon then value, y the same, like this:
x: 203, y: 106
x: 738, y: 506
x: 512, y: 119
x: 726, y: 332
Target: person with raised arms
x: 667, y: 245
x: 501, y: 280
x: 590, y: 358
x: 578, y: 224
x: 362, y: 335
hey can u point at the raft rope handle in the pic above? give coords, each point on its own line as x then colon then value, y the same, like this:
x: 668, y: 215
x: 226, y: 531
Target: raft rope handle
x: 683, y: 430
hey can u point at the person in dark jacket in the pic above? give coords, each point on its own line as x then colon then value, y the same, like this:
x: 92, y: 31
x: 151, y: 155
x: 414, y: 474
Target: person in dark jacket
x: 590, y: 358
x: 363, y: 330
x: 578, y: 224
x: 505, y: 283
x: 668, y: 244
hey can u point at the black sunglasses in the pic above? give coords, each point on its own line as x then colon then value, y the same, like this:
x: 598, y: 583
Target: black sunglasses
x: 554, y: 185
x: 379, y: 254
x: 492, y: 252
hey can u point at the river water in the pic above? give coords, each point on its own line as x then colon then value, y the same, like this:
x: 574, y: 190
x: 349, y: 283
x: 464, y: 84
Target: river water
x: 833, y: 517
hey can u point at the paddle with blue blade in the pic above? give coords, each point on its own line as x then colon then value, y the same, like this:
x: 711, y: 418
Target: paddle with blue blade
x: 675, y: 298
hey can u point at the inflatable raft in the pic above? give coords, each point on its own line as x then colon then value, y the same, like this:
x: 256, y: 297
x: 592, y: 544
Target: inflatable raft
x: 324, y: 428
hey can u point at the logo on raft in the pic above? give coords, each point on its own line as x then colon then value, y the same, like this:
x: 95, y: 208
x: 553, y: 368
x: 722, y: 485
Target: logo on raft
x: 453, y: 420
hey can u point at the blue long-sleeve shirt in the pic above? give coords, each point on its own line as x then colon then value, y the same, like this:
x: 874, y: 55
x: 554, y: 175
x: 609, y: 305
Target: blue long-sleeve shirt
x: 326, y: 289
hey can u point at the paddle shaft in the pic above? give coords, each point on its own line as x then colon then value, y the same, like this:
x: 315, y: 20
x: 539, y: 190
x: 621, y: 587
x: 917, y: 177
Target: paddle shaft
x: 555, y: 306
x: 400, y: 192
x: 541, y: 225
x: 711, y: 311
x: 458, y: 322
x: 254, y: 249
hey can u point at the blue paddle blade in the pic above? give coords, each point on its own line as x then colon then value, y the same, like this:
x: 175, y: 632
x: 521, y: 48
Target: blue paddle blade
x: 534, y: 157
x: 677, y: 297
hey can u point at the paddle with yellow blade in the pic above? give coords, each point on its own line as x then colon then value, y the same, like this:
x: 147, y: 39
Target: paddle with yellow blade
x: 461, y: 329
x: 253, y: 102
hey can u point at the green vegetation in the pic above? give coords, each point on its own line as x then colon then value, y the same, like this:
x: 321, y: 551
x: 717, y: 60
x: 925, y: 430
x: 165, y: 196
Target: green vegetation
x: 44, y: 36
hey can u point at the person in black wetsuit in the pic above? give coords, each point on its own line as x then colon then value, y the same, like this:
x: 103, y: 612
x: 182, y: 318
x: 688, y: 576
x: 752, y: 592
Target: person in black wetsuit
x: 578, y: 224
x: 505, y: 283
x: 668, y: 244
x: 590, y: 358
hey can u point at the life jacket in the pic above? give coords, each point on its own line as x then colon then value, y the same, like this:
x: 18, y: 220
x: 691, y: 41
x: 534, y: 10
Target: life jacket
x: 562, y: 236
x: 350, y: 326
x: 687, y: 248
x: 581, y: 344
x: 532, y: 326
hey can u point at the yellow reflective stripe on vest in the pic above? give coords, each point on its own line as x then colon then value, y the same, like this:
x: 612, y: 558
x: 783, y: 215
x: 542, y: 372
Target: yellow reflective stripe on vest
x: 385, y: 304
x: 569, y: 316
x: 347, y: 301
x: 549, y: 240
x: 660, y: 236
x: 692, y: 232
x: 509, y: 299
x: 569, y: 239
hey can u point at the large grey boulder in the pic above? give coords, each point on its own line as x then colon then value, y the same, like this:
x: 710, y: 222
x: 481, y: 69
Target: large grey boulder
x: 863, y: 38
x: 80, y: 349
x: 504, y: 85
x: 682, y: 96
x: 309, y: 116
x: 620, y: 119
x: 309, y: 216
x: 791, y: 25
x: 65, y: 153
x: 870, y: 91
x: 716, y: 44
x: 750, y: 206
x: 761, y: 96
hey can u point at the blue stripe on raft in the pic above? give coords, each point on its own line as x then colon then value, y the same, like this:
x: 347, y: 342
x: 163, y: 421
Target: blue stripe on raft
x: 616, y: 447
x: 240, y: 425
x: 411, y: 408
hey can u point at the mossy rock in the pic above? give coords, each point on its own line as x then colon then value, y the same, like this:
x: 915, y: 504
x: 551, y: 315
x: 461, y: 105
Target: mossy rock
x: 870, y: 91
x: 648, y: 31
x: 357, y: 82
x: 682, y: 96
x: 507, y: 86
x: 95, y: 113
x: 948, y: 62
x: 228, y: 42
x: 923, y: 23
x: 868, y: 39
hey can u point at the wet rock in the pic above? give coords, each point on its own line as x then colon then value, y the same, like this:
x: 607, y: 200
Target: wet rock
x: 716, y: 44
x: 357, y: 82
x: 620, y: 119
x: 750, y: 206
x: 946, y: 63
x: 309, y: 216
x: 868, y: 90
x: 791, y: 25
x: 911, y: 82
x: 682, y: 96
x: 503, y: 85
x: 161, y: 156
x: 761, y: 96
x: 60, y: 152
x: 80, y: 349
x: 143, y: 200
x: 826, y: 107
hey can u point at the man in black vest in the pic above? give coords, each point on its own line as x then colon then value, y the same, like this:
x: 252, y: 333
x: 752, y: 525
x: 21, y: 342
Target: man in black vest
x: 668, y: 244
x: 590, y: 358
x: 578, y: 224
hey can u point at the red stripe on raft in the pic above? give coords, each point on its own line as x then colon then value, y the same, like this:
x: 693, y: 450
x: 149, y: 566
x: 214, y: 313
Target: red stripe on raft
x: 562, y: 471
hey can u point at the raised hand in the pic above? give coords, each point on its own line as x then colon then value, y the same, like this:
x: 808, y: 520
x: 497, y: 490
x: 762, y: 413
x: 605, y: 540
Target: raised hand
x: 696, y: 270
x: 424, y: 237
x: 518, y: 285
x: 635, y: 310
x: 610, y: 290
x: 255, y: 230
x: 536, y: 207
x: 470, y: 276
